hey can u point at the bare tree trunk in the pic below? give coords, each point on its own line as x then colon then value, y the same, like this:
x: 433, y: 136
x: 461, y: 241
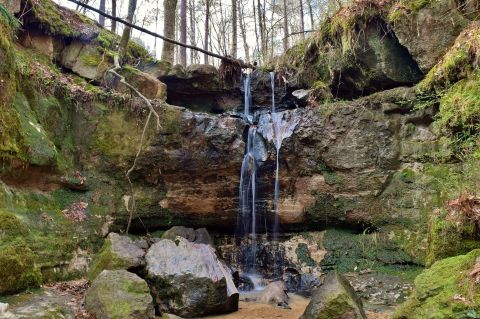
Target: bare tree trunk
x: 302, y: 21
x: 193, y: 40
x: 285, y: 26
x: 244, y: 32
x: 132, y: 6
x: 255, y: 24
x: 261, y: 28
x: 169, y: 15
x: 114, y: 13
x: 101, y: 18
x: 234, y: 29
x: 272, y: 31
x: 207, y: 29
x: 183, y: 31
x: 310, y: 11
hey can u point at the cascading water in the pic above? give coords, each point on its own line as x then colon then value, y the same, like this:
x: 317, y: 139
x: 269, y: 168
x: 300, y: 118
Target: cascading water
x: 273, y: 127
x: 248, y: 180
x: 276, y: 194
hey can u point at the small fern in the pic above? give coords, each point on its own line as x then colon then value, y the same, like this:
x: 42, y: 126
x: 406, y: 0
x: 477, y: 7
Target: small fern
x: 9, y: 18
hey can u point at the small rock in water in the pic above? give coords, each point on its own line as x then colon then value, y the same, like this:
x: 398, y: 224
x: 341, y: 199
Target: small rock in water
x: 275, y: 293
x: 3, y: 308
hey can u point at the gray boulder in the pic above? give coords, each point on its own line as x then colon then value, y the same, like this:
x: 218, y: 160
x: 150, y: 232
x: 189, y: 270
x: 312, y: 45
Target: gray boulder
x: 119, y: 294
x: 187, y: 279
x: 118, y: 252
x: 333, y: 300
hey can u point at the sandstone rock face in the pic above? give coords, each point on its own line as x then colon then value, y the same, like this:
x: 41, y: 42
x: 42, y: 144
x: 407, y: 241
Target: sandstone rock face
x: 335, y: 168
x: 118, y: 252
x: 84, y: 59
x: 198, y: 87
x: 145, y: 83
x: 45, y: 44
x: 428, y: 33
x: 119, y: 294
x: 188, y: 280
x: 333, y: 300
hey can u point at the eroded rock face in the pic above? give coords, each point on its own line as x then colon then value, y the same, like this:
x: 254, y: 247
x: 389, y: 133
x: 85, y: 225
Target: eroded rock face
x: 335, y: 167
x: 428, y: 33
x: 188, y: 280
x: 83, y: 59
x: 119, y: 294
x: 334, y: 299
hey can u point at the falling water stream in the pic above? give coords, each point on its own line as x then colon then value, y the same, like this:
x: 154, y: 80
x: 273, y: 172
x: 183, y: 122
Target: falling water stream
x: 274, y: 128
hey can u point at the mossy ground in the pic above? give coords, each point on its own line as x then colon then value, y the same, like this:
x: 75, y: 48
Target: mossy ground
x: 445, y: 290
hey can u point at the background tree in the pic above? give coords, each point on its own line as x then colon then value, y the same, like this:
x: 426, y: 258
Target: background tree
x: 183, y: 31
x: 207, y: 29
x: 169, y: 17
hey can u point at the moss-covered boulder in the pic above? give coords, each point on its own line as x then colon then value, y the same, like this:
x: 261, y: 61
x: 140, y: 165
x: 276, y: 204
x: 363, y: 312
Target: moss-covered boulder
x: 334, y: 299
x: 427, y: 28
x: 354, y: 53
x: 10, y: 225
x: 452, y: 231
x: 118, y: 252
x: 17, y: 268
x: 119, y: 294
x: 445, y: 290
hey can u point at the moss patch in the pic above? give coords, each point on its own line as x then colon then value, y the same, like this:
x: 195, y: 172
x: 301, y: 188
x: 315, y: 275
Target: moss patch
x: 17, y: 268
x: 444, y: 291
x: 105, y: 259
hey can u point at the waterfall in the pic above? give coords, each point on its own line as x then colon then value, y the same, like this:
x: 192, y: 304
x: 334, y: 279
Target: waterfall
x: 248, y: 94
x: 248, y: 180
x: 277, y: 150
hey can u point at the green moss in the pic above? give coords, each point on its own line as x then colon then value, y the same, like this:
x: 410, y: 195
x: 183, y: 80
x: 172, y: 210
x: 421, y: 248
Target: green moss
x: 37, y: 147
x: 52, y: 19
x: 105, y: 259
x: 443, y: 291
x: 457, y: 63
x: 407, y: 175
x: 303, y: 255
x: 10, y: 225
x: 347, y: 251
x: 17, y: 268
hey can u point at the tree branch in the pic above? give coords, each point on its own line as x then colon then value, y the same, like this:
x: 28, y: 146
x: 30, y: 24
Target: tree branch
x: 188, y: 46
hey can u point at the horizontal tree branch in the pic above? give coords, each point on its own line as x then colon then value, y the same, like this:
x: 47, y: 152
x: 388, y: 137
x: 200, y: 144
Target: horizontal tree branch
x: 164, y: 38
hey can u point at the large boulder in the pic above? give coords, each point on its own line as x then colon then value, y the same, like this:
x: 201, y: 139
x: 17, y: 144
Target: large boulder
x: 119, y: 294
x: 333, y: 300
x: 84, y: 59
x: 428, y: 28
x: 188, y: 279
x: 118, y: 252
